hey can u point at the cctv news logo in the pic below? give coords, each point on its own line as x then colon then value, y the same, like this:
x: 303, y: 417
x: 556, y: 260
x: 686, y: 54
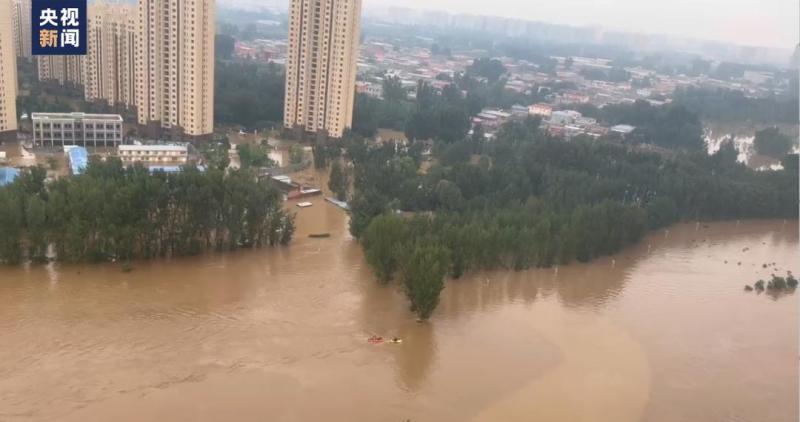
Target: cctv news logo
x: 58, y: 27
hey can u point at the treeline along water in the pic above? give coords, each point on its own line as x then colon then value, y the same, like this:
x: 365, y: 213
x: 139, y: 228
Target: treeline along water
x: 529, y: 200
x: 114, y: 212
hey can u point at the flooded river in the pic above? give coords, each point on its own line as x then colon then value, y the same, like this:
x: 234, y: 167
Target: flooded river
x: 661, y: 332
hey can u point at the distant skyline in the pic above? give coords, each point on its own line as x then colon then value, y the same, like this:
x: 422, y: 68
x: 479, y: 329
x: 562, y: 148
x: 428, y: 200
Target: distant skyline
x: 766, y: 23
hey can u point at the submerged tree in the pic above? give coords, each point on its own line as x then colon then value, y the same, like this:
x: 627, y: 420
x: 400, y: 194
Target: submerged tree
x: 339, y: 182
x: 11, y: 221
x: 254, y: 156
x: 423, y: 277
x: 382, y: 242
x: 113, y: 212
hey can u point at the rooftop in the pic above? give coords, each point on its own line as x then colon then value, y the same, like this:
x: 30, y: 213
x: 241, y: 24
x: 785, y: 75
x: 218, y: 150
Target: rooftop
x: 76, y: 116
x: 7, y: 175
x: 156, y: 147
x: 625, y: 129
x: 78, y: 159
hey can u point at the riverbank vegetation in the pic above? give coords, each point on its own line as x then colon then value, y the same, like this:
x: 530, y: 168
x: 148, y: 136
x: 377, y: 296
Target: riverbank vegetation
x: 527, y: 200
x: 726, y: 105
x: 115, y: 213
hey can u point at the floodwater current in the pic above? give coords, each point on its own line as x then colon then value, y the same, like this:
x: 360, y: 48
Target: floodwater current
x: 660, y: 332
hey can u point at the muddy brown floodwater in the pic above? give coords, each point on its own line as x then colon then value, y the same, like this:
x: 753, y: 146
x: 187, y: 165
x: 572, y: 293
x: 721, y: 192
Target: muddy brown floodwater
x: 660, y: 332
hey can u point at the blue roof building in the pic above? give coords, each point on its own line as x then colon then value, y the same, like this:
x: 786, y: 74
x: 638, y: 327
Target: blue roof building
x: 165, y: 169
x: 8, y: 175
x: 78, y: 159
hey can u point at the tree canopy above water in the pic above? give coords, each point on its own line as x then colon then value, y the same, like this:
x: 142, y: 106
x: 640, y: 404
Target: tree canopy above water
x: 113, y: 212
x: 535, y: 201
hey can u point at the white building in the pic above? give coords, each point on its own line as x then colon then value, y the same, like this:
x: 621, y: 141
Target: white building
x: 156, y: 154
x: 540, y: 109
x: 88, y: 130
x: 370, y: 88
x: 564, y: 117
x: 623, y: 129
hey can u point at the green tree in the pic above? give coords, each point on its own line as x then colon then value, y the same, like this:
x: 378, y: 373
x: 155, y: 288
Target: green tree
x: 423, y: 277
x: 339, y: 182
x: 790, y: 162
x: 296, y: 154
x: 224, y: 46
x: 449, y: 195
x: 254, y: 156
x: 52, y: 163
x: 248, y: 94
x: 216, y: 154
x: 113, y: 212
x: 393, y: 89
x: 771, y: 142
x: 491, y: 69
x: 36, y: 226
x: 11, y: 223
x: 382, y: 241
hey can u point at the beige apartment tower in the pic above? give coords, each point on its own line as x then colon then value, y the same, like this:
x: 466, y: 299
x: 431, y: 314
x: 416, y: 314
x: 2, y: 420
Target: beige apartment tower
x: 8, y: 71
x: 64, y: 70
x: 174, y: 75
x: 321, y: 65
x: 108, y: 70
x: 22, y: 28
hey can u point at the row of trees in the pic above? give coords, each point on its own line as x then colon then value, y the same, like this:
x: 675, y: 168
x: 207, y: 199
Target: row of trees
x: 248, y: 94
x: 614, y: 74
x: 670, y: 126
x: 772, y: 143
x: 112, y: 212
x: 254, y: 155
x: 733, y: 106
x: 529, y: 200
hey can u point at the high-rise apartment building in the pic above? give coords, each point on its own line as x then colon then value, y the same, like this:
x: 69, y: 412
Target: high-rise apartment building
x: 111, y: 54
x: 175, y: 68
x: 158, y: 57
x: 321, y: 65
x: 65, y: 70
x: 8, y: 71
x: 22, y: 28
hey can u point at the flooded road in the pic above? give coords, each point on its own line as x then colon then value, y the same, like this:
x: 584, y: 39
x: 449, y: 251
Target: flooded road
x: 661, y: 332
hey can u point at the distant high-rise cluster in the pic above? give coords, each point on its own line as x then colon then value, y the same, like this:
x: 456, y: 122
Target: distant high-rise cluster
x: 66, y: 70
x: 157, y: 58
x: 321, y: 65
x: 8, y: 70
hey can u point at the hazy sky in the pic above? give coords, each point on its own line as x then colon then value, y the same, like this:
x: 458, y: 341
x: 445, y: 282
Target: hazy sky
x: 772, y: 23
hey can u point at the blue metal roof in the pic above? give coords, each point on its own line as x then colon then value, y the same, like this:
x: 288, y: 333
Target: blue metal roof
x: 172, y: 169
x: 165, y: 169
x: 7, y: 175
x: 78, y: 160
